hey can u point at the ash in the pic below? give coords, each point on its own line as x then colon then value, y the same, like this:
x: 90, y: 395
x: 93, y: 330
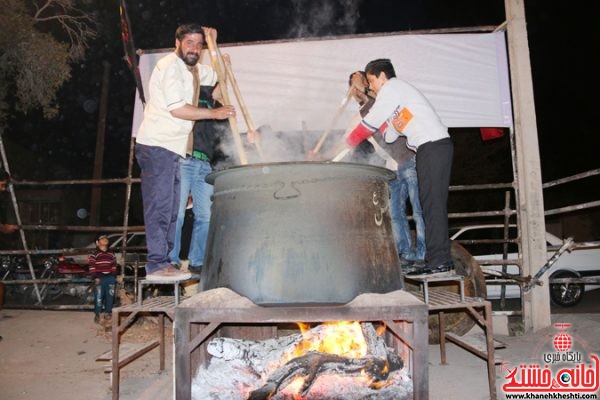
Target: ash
x: 238, y: 367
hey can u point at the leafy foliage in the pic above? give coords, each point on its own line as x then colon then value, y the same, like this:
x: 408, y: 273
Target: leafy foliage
x: 38, y: 41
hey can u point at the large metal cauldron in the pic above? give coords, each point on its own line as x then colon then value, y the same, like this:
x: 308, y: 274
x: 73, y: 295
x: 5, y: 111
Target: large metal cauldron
x: 301, y: 232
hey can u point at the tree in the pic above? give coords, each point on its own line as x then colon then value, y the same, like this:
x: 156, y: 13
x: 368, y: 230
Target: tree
x: 38, y: 41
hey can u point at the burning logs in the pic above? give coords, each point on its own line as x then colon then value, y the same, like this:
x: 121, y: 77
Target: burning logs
x: 303, y: 366
x: 313, y: 364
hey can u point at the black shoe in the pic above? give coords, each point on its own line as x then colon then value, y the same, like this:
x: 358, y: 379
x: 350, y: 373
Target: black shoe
x: 195, y: 269
x: 97, y: 318
x: 425, y: 270
x: 404, y: 263
x: 415, y: 270
x: 444, y: 267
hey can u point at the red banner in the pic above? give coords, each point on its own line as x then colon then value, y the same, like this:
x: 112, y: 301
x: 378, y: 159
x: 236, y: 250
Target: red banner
x: 129, y: 47
x: 491, y: 133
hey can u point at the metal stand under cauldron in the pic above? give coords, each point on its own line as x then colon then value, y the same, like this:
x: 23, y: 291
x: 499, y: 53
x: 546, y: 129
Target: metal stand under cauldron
x: 221, y: 312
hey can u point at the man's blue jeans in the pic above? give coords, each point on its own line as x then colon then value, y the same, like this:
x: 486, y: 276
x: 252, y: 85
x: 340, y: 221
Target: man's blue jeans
x: 193, y: 172
x: 160, y: 194
x: 404, y: 187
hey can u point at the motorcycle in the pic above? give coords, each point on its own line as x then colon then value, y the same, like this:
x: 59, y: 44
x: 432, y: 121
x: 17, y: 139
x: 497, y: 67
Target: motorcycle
x: 79, y: 284
x: 14, y: 268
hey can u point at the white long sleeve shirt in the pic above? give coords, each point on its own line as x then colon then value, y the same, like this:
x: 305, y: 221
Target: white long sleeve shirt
x: 170, y: 87
x: 407, y: 112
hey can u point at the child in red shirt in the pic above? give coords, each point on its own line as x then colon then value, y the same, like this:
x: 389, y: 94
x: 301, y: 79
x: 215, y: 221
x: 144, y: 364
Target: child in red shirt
x: 103, y: 268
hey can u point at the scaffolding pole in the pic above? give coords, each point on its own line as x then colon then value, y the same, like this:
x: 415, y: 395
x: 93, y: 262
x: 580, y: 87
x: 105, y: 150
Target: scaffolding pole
x: 13, y: 198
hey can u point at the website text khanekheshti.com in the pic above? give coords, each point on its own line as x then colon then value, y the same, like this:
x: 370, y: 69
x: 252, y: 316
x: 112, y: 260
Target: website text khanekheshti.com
x: 551, y: 396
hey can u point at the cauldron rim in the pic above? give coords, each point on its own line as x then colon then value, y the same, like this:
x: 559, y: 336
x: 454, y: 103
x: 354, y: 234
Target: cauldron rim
x: 384, y: 172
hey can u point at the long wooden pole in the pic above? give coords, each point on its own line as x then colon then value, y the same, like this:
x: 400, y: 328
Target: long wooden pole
x: 212, y: 50
x: 99, y: 154
x: 242, y: 103
x: 337, y: 115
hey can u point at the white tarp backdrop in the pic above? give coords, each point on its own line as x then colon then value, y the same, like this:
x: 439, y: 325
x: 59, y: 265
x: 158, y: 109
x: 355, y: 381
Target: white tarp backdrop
x: 300, y: 84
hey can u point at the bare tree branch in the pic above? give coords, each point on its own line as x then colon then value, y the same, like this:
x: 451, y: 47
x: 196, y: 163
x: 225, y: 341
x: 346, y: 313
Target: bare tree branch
x: 39, y: 10
x: 76, y: 23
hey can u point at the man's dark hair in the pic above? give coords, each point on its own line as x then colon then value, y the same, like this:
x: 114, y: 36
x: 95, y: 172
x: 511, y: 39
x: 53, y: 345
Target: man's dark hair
x: 380, y: 65
x: 356, y: 72
x: 186, y: 29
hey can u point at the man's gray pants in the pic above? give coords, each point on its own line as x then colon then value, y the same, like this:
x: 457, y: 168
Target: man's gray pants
x: 160, y: 195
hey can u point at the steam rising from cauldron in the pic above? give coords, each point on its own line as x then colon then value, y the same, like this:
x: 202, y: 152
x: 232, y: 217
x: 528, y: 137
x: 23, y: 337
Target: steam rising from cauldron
x: 290, y: 146
x: 326, y: 18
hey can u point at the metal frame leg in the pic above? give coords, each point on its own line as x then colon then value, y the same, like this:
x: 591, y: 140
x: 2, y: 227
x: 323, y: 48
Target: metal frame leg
x: 442, y: 326
x: 489, y: 339
x: 115, y: 372
x: 420, y: 359
x: 140, y: 292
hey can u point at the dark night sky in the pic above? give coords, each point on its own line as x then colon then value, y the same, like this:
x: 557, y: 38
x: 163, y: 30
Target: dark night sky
x: 564, y: 55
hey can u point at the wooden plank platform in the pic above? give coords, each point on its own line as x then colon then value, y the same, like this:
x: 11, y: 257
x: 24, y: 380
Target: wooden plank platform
x: 444, y: 299
x: 154, y: 304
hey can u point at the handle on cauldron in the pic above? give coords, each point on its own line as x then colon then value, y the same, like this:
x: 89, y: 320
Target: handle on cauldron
x: 216, y: 62
x: 281, y: 193
x: 242, y: 104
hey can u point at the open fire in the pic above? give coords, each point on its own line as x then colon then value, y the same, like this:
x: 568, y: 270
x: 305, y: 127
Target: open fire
x: 333, y: 360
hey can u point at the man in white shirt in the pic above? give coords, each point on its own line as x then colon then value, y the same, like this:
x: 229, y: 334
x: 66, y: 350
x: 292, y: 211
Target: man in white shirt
x: 400, y: 159
x: 401, y: 109
x: 162, y: 140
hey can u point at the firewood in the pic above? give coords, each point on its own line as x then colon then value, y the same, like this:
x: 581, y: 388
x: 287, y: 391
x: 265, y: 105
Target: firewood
x: 313, y: 364
x: 375, y: 344
x: 255, y: 355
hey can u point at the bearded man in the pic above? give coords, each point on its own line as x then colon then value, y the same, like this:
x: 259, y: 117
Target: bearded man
x: 162, y: 141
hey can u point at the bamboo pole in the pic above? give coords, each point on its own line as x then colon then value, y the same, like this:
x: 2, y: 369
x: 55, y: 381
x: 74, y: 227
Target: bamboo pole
x: 242, y: 103
x: 337, y: 115
x: 216, y: 62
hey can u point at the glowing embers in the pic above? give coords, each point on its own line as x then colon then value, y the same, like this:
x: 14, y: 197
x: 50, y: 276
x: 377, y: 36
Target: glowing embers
x: 343, y: 360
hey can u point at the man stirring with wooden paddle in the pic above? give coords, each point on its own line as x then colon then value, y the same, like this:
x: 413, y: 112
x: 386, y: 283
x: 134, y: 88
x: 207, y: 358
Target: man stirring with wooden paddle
x: 162, y: 141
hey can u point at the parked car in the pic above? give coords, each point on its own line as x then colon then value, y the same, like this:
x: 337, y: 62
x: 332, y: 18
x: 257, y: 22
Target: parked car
x: 135, y: 241
x: 578, y: 263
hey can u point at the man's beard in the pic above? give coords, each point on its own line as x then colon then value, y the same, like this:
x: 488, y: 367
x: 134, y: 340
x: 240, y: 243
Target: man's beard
x: 189, y: 58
